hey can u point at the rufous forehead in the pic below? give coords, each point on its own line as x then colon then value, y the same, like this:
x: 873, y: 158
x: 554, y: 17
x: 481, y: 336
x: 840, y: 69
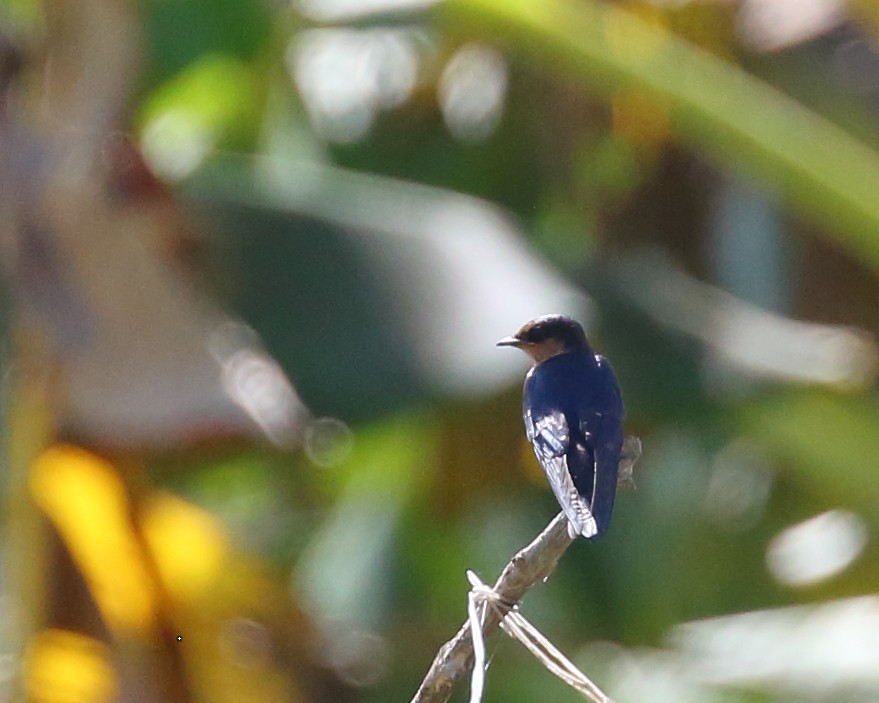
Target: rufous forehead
x: 526, y: 328
x: 534, y: 328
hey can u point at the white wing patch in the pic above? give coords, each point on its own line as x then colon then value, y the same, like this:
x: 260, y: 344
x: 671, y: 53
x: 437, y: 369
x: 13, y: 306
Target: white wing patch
x: 550, y: 438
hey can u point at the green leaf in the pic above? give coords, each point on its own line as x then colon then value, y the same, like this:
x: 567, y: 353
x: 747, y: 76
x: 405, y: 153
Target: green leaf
x: 831, y: 440
x: 820, y: 170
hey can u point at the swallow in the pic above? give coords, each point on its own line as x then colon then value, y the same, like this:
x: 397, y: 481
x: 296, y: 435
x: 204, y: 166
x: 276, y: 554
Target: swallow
x: 573, y: 414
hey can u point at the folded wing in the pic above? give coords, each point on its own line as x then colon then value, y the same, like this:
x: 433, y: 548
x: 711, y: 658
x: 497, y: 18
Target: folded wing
x: 550, y: 437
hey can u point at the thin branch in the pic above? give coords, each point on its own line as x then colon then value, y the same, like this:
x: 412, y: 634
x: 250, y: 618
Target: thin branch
x: 531, y: 565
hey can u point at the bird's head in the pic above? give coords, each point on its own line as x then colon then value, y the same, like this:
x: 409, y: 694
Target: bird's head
x: 547, y: 336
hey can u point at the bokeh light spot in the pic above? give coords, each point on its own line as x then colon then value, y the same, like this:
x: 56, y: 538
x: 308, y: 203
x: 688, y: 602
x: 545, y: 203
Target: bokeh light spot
x: 68, y: 667
x: 246, y: 642
x: 328, y: 442
x: 739, y: 487
x: 472, y: 91
x: 359, y: 657
x: 345, y: 76
x: 257, y: 383
x: 816, y: 549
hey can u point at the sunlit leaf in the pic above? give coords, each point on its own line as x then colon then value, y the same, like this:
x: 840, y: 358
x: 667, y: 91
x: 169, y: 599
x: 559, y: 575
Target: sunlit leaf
x: 187, y: 545
x: 68, y: 667
x: 821, y: 170
x: 185, y: 118
x: 84, y: 497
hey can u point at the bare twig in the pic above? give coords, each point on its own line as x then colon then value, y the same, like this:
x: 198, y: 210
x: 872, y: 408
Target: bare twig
x: 531, y: 565
x: 517, y: 626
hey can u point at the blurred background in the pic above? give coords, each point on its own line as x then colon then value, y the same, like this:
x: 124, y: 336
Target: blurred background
x: 257, y: 255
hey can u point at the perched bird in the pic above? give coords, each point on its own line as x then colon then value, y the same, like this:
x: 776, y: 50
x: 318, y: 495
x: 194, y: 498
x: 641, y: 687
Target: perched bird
x: 573, y: 417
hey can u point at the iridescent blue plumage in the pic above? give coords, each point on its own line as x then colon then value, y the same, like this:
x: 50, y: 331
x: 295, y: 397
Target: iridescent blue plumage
x: 573, y: 415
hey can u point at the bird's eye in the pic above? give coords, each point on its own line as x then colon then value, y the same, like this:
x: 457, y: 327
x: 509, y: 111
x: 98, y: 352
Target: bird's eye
x: 535, y: 335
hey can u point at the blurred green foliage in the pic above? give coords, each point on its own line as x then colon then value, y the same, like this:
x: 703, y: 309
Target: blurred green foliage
x: 620, y: 129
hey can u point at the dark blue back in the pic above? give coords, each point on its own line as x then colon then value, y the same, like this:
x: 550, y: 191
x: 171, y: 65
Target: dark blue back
x: 576, y: 382
x: 583, y: 388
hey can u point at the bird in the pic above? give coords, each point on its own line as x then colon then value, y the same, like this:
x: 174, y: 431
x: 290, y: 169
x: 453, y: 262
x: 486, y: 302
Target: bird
x: 573, y: 413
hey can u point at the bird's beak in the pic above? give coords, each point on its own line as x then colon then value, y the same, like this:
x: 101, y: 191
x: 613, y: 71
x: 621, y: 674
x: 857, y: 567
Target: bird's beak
x: 509, y: 342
